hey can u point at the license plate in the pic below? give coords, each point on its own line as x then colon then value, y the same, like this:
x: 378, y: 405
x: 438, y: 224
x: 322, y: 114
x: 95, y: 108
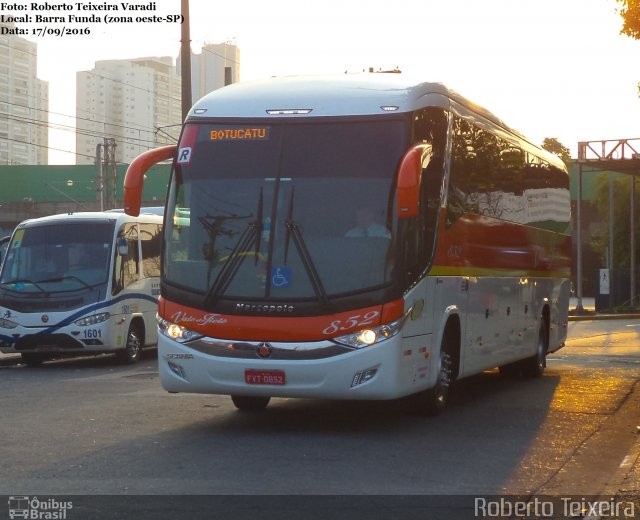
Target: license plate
x: 264, y: 377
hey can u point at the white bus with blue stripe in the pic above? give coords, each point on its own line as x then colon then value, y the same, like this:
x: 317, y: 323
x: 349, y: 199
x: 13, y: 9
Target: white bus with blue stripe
x: 81, y: 283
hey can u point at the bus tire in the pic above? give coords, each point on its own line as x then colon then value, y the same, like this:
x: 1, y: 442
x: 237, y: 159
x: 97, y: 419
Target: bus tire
x: 433, y: 401
x: 535, y: 365
x: 133, y: 347
x: 247, y: 403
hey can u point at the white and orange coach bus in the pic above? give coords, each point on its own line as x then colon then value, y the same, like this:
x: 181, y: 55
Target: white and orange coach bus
x: 355, y: 237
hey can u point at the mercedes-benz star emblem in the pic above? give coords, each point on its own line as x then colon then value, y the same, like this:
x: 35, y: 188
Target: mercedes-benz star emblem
x: 264, y: 350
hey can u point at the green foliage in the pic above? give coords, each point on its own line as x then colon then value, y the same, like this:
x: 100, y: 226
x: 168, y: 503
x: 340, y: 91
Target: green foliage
x: 551, y: 144
x: 621, y: 219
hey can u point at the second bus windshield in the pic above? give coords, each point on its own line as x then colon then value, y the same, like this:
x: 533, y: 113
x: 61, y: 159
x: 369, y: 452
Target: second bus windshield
x: 284, y: 211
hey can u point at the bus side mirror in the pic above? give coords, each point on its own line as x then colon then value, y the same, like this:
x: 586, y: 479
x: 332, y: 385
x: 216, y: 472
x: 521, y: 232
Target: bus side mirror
x: 409, y: 176
x: 4, y: 244
x: 134, y: 178
x: 123, y: 247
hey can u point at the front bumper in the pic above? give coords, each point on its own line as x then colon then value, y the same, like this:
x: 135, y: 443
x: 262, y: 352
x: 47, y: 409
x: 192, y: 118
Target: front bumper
x: 311, y: 370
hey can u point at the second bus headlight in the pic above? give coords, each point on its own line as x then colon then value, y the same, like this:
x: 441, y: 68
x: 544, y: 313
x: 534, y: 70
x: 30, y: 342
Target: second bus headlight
x: 7, y: 324
x: 92, y: 320
x: 176, y: 332
x: 365, y: 337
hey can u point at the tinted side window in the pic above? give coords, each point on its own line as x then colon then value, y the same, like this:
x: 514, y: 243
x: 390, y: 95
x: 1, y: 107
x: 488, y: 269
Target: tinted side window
x: 150, y: 244
x: 475, y: 168
x: 430, y: 127
x: 547, y: 196
x: 125, y: 267
x: 493, y: 177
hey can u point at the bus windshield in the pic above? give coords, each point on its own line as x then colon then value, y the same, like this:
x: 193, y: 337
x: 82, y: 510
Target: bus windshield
x: 284, y: 211
x: 58, y: 258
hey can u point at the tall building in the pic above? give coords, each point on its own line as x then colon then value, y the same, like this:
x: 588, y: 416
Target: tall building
x: 217, y: 65
x: 24, y: 103
x: 136, y: 102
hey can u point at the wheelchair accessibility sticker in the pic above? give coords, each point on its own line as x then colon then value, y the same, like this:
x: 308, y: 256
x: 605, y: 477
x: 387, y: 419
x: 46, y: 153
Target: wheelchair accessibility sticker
x: 280, y: 276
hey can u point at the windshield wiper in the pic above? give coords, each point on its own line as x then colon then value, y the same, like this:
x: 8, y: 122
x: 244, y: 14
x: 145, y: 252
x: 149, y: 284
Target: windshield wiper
x: 293, y: 230
x: 249, y: 236
x: 67, y: 277
x: 25, y: 280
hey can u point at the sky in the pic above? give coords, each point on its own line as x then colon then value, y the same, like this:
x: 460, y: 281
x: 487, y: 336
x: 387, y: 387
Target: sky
x: 549, y: 68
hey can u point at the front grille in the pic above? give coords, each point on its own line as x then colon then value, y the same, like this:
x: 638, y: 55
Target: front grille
x: 279, y: 351
x: 48, y: 341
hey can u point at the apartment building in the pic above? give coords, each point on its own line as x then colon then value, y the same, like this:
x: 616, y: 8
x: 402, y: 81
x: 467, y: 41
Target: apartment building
x: 24, y: 103
x: 138, y: 101
x: 216, y: 65
x: 134, y: 101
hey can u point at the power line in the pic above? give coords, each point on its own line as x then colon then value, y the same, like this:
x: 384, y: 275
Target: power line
x: 204, y: 49
x: 141, y: 129
x: 49, y: 148
x: 80, y: 131
x: 105, y: 77
x: 131, y: 85
x: 158, y: 95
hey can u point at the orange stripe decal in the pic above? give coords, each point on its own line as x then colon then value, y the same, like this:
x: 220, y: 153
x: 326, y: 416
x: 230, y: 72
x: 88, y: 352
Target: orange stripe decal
x: 268, y: 328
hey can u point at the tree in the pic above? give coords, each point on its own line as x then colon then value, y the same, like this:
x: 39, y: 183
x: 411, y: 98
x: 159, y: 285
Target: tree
x: 630, y: 14
x: 600, y: 239
x: 551, y: 144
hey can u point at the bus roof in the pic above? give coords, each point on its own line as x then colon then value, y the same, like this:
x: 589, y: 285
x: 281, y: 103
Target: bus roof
x: 116, y: 216
x: 336, y: 95
x: 316, y: 96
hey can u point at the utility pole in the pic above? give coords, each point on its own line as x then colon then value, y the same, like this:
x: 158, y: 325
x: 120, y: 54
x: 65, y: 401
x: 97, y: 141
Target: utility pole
x: 99, y: 179
x: 110, y: 171
x: 185, y: 63
x: 106, y: 173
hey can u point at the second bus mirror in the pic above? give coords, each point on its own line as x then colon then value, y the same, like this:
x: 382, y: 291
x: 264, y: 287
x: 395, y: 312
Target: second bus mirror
x: 408, y: 187
x: 4, y: 244
x: 123, y: 247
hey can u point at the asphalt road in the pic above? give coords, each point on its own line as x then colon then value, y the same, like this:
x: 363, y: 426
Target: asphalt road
x: 91, y: 427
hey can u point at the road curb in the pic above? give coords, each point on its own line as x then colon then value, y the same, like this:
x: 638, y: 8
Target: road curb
x: 598, y: 316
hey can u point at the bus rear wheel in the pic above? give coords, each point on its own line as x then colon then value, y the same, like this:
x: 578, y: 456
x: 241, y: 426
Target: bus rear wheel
x: 535, y: 365
x: 250, y: 403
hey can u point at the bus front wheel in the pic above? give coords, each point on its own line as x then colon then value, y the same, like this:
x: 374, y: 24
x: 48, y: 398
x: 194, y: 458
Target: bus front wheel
x: 250, y: 404
x: 433, y: 401
x: 133, y: 347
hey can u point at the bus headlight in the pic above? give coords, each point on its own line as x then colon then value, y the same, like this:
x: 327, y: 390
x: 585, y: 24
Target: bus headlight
x: 92, y: 320
x: 176, y: 332
x: 365, y: 337
x: 7, y: 324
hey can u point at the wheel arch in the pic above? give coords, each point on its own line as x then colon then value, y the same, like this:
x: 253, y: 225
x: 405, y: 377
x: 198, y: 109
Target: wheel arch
x: 137, y: 322
x: 545, y: 321
x: 450, y: 323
